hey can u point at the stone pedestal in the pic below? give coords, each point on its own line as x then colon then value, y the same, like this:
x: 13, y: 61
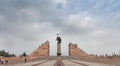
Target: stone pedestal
x: 58, y: 49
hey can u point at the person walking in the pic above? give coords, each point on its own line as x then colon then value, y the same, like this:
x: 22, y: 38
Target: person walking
x: 25, y: 60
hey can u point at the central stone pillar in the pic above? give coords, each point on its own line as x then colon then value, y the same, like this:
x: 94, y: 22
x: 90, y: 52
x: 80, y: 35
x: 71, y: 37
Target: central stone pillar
x: 58, y: 49
x: 58, y: 45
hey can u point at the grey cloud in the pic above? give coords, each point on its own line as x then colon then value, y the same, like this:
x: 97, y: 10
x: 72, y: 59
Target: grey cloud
x: 18, y: 22
x: 9, y: 9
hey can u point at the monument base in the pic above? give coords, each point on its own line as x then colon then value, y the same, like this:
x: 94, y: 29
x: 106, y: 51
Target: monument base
x: 58, y: 54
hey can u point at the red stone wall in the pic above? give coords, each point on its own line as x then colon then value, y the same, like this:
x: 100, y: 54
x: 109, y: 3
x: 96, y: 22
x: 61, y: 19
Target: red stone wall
x: 75, y: 51
x: 42, y: 50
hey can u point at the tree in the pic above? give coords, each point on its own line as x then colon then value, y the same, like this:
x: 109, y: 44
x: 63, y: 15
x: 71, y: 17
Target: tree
x: 119, y: 52
x: 6, y: 54
x: 106, y: 55
x: 24, y: 54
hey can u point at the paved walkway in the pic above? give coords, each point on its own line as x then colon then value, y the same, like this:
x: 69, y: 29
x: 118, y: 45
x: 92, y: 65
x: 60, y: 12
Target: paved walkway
x: 85, y: 63
x: 58, y: 63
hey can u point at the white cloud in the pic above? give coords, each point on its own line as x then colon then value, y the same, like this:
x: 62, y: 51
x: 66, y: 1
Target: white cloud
x: 82, y: 21
x: 84, y: 30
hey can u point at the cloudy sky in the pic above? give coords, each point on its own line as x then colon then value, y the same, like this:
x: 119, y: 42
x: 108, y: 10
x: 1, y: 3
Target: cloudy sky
x: 92, y: 24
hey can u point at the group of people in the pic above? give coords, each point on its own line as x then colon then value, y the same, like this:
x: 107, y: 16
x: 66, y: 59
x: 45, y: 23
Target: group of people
x: 3, y: 60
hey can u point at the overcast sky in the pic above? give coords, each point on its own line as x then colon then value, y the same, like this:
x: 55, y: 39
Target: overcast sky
x: 92, y: 24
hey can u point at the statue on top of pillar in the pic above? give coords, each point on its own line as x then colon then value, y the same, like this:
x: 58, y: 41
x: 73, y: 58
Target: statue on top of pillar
x: 58, y: 39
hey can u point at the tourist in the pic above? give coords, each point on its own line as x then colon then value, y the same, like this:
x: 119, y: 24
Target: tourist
x: 2, y: 61
x: 25, y: 60
x: 6, y: 59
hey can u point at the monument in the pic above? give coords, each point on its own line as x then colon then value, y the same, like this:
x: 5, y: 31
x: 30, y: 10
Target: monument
x: 42, y: 50
x: 58, y: 45
x: 74, y: 50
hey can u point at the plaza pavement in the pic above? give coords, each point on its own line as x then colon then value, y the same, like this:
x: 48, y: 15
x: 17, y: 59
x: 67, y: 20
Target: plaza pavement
x: 66, y: 62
